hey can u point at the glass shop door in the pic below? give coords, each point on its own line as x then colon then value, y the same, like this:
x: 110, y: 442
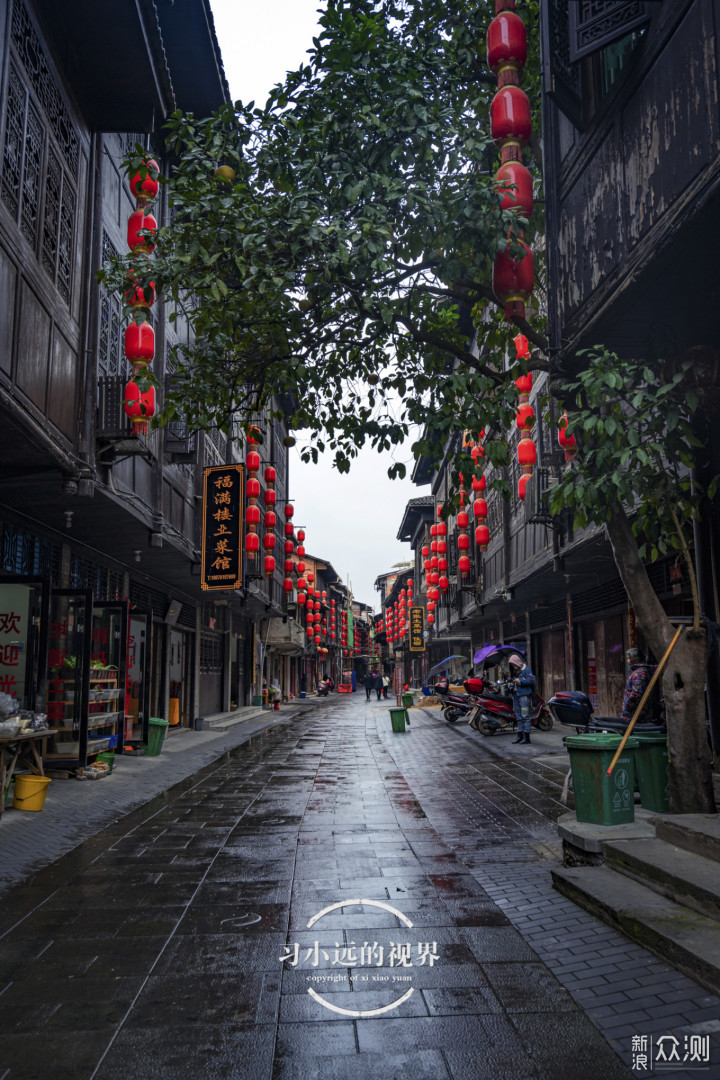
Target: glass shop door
x: 24, y: 620
x: 68, y: 675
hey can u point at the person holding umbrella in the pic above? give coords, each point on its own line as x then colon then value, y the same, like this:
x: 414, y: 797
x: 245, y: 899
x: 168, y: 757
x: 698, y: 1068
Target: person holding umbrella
x: 524, y: 683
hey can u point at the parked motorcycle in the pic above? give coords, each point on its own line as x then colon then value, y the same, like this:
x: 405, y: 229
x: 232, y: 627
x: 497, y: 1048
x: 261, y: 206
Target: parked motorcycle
x: 494, y: 712
x: 454, y: 704
x: 574, y: 709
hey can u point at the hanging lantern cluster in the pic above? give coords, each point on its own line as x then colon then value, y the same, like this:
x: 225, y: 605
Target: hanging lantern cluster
x: 567, y: 441
x: 510, y: 126
x: 463, y: 522
x: 333, y: 624
x: 289, y: 564
x: 252, y: 494
x: 344, y: 631
x: 525, y: 416
x: 139, y: 335
x: 270, y: 520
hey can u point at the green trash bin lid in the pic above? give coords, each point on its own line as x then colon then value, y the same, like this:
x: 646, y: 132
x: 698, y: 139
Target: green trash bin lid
x: 650, y: 737
x: 601, y: 741
x: 158, y: 721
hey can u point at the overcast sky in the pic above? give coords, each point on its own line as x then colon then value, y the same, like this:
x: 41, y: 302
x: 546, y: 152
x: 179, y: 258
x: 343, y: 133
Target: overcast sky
x: 352, y: 521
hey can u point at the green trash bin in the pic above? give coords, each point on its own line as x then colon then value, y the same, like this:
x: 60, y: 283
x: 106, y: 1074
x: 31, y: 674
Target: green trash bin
x: 651, y: 767
x: 398, y: 718
x: 156, y: 736
x: 601, y: 799
x: 407, y: 700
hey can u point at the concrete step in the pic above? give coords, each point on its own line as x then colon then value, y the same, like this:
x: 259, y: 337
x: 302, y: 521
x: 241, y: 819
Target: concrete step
x: 680, y: 875
x: 684, y: 938
x: 693, y: 832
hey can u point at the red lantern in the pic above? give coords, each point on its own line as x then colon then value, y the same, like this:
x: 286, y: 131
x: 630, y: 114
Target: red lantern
x: 140, y: 296
x: 302, y: 598
x: 442, y: 547
x: 425, y: 551
x: 288, y: 566
x: 527, y: 455
x: 444, y: 584
x: 525, y: 417
x: 480, y: 509
x: 289, y: 528
x: 269, y: 565
x: 510, y: 116
x: 462, y: 520
x: 514, y: 280
x: 524, y: 383
x: 301, y: 535
x: 137, y: 221
x: 252, y: 488
x: 300, y: 567
x: 288, y: 547
x: 270, y: 519
x: 139, y: 406
x: 288, y: 585
x: 522, y: 485
x: 270, y: 475
x: 441, y: 529
x: 270, y: 497
x: 289, y: 510
x: 146, y: 187
x: 269, y: 541
x: 464, y: 565
x: 430, y: 618
x: 442, y: 565
x: 300, y: 549
x: 482, y: 537
x: 252, y: 461
x: 309, y: 631
x: 140, y: 342
x: 567, y: 442
x: 302, y: 583
x: 515, y: 187
x: 522, y: 348
x: 252, y: 515
x: 253, y: 437
x: 252, y: 543
x: 463, y: 542
x: 506, y: 47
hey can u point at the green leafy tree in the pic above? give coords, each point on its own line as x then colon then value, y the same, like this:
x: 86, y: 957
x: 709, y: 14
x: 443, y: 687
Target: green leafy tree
x: 336, y: 246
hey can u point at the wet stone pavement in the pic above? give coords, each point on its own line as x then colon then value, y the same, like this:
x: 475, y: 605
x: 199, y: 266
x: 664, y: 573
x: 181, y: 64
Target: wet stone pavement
x: 226, y: 930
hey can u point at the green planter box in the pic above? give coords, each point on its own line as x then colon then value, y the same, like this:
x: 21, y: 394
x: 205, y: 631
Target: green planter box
x: 651, y: 766
x: 398, y: 718
x: 156, y: 736
x: 601, y: 799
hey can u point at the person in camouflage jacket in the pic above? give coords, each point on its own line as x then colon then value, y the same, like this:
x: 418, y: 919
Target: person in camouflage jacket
x: 637, y: 684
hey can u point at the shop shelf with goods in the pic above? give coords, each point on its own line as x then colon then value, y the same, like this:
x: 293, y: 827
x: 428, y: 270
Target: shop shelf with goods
x: 101, y: 715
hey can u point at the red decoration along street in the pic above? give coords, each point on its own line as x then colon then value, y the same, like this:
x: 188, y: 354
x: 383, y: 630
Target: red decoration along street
x: 139, y: 404
x: 511, y: 127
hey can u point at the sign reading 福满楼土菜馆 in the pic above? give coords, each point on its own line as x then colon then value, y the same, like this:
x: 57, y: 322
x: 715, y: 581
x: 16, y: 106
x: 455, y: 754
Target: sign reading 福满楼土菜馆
x: 222, y: 534
x: 417, y: 629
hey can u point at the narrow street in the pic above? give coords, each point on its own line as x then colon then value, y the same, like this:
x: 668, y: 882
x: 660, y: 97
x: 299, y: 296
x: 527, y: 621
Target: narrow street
x: 176, y: 943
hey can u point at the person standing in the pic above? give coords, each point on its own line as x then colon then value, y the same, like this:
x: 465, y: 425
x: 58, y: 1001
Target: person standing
x: 378, y: 684
x: 368, y: 683
x: 524, y: 683
x: 386, y: 685
x: 637, y: 684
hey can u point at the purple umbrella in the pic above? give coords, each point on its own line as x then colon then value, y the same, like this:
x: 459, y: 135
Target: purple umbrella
x: 486, y: 651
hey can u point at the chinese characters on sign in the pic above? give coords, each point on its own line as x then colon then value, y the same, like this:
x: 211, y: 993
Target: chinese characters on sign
x: 14, y: 626
x: 369, y: 954
x: 222, y: 527
x: 417, y: 629
x: 662, y: 1052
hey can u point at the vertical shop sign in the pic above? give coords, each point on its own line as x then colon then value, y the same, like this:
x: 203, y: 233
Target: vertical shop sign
x: 632, y: 627
x: 14, y: 628
x: 221, y: 564
x: 417, y: 629
x: 592, y: 674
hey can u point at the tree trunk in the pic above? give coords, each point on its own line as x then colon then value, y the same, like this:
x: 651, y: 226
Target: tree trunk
x: 683, y: 680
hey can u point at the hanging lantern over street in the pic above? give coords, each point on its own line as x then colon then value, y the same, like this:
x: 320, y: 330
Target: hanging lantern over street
x: 506, y: 47
x: 515, y: 187
x: 522, y: 485
x: 464, y: 566
x: 269, y: 565
x: 139, y: 406
x: 482, y: 537
x: 514, y: 280
x: 527, y: 455
x: 567, y: 441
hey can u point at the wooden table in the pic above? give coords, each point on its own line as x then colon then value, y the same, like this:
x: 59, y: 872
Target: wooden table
x: 26, y: 748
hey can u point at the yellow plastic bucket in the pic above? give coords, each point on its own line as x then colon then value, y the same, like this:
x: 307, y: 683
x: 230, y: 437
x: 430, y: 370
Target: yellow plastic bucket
x: 30, y: 791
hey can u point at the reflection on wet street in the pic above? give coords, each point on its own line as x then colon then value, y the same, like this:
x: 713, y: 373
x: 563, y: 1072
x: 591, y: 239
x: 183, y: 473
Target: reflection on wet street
x: 177, y: 943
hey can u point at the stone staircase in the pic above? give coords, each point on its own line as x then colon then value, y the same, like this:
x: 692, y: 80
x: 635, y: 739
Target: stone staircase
x: 664, y: 892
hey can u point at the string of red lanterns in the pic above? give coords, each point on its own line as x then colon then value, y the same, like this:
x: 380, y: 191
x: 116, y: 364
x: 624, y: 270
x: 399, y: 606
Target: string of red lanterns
x: 289, y: 564
x: 510, y: 127
x: 252, y: 494
x: 139, y: 404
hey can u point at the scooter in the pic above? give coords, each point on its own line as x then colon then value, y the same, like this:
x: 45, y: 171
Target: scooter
x: 574, y: 709
x: 455, y: 705
x: 494, y: 712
